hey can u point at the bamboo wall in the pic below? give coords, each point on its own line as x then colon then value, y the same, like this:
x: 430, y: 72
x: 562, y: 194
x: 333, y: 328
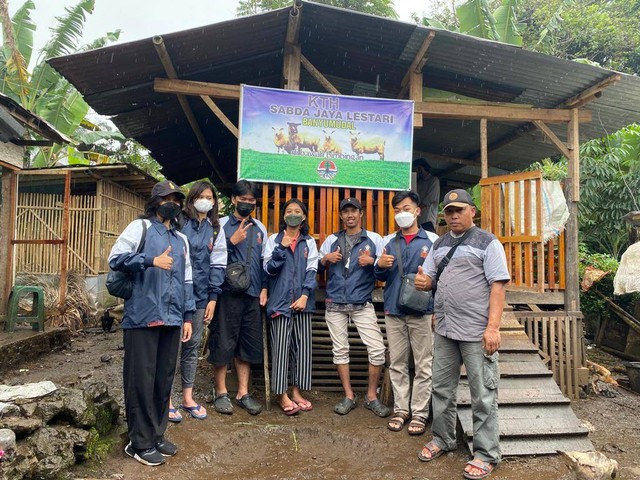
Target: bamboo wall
x: 95, y: 221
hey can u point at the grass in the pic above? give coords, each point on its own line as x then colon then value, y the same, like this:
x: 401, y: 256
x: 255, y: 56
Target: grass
x: 283, y: 168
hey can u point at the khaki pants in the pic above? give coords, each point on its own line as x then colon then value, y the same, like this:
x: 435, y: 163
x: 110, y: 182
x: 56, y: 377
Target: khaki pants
x: 366, y: 322
x: 410, y: 333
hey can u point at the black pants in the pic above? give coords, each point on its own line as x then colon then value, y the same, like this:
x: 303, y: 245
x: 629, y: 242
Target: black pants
x: 150, y: 356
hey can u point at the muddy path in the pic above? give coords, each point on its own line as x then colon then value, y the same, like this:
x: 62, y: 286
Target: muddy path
x: 313, y: 445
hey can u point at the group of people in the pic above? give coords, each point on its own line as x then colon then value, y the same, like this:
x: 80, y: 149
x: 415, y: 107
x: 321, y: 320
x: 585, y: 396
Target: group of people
x: 190, y: 269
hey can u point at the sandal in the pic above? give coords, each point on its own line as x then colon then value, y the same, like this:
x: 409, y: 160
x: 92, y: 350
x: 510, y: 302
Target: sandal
x: 290, y: 409
x: 417, y: 426
x: 177, y: 418
x: 193, y: 411
x: 345, y: 406
x: 249, y: 404
x: 434, y: 452
x: 305, y: 405
x: 222, y: 404
x: 377, y: 407
x: 396, y: 423
x: 486, y: 468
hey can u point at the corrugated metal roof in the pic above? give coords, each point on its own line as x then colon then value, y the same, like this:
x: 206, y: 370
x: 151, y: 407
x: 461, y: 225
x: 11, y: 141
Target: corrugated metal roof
x: 361, y: 55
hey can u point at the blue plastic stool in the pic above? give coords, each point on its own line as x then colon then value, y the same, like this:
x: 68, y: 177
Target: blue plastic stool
x: 36, y: 318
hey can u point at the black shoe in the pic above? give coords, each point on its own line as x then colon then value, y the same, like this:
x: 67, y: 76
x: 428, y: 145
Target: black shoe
x: 249, y: 404
x: 166, y: 448
x: 149, y: 456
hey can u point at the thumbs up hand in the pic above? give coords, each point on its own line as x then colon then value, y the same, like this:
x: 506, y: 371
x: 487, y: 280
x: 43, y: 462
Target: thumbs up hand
x: 164, y: 261
x: 385, y: 260
x: 333, y: 257
x: 422, y: 282
x: 365, y: 258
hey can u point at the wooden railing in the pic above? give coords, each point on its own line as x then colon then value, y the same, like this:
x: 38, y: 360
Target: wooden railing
x: 559, y: 340
x: 512, y: 210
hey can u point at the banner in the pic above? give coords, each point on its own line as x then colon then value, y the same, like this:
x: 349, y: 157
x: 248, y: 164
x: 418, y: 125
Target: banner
x: 328, y: 140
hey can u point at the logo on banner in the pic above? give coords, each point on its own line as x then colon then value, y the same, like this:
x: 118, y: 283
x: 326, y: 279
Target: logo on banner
x: 327, y: 169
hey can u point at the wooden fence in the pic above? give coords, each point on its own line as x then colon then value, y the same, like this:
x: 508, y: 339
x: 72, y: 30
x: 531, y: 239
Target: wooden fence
x: 512, y: 210
x: 559, y: 339
x: 95, y: 221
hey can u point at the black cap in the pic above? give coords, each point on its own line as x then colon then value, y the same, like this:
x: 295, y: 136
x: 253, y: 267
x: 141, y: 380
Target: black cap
x: 162, y: 189
x: 457, y: 198
x: 350, y: 202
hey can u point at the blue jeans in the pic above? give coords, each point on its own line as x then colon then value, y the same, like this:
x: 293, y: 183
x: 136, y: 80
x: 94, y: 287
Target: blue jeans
x: 482, y: 374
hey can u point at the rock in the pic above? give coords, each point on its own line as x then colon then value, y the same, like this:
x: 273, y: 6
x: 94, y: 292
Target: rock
x: 48, y: 410
x: 590, y: 465
x: 85, y: 376
x: 105, y: 358
x: 20, y: 464
x: 9, y: 410
x: 7, y: 439
x: 26, y: 392
x: 22, y: 427
x: 57, y: 449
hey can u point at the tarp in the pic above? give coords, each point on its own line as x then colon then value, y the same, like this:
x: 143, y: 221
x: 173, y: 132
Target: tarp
x: 627, y: 279
x: 306, y: 138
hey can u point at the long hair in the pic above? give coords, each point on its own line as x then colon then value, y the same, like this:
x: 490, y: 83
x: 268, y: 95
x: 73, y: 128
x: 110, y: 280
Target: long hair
x: 304, y: 226
x: 194, y: 192
x: 151, y: 209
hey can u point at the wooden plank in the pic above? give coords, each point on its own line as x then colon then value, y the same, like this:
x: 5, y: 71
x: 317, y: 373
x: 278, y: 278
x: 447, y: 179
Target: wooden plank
x: 560, y: 357
x: 220, y: 115
x: 312, y: 211
x: 319, y: 77
x: 559, y: 144
x: 484, y: 153
x: 543, y: 446
x: 369, y: 211
x: 511, y: 177
x: 498, y: 113
x: 276, y: 207
x: 532, y: 367
x: 415, y: 94
x: 323, y: 214
x: 190, y: 87
x: 591, y: 92
x: 391, y: 227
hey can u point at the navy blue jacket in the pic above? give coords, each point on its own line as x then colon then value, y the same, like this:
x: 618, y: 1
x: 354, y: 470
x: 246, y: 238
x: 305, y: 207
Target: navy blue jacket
x: 291, y: 274
x: 239, y: 253
x: 208, y: 259
x: 355, y: 284
x: 413, y: 256
x: 160, y: 297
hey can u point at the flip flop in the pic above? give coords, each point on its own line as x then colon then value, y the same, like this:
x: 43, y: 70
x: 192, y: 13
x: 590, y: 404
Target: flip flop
x: 431, y: 447
x: 177, y: 418
x: 193, y: 411
x: 485, y: 467
x: 305, y: 405
x: 290, y: 409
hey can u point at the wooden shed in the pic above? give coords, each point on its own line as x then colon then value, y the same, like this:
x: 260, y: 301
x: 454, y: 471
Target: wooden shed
x: 506, y: 108
x: 67, y: 218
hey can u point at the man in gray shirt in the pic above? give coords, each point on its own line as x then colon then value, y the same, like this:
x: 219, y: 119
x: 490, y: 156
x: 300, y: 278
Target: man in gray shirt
x: 468, y: 307
x: 428, y: 188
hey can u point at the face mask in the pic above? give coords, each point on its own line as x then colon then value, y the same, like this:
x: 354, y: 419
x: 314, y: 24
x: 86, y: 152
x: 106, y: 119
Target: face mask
x: 244, y: 209
x: 405, y: 219
x: 293, y: 220
x: 203, y: 205
x: 169, y: 210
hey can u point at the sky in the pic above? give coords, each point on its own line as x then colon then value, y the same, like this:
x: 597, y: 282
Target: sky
x: 145, y: 18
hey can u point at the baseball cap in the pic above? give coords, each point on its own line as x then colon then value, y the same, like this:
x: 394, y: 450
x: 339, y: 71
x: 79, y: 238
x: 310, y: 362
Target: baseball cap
x: 457, y: 198
x: 350, y: 202
x: 162, y: 189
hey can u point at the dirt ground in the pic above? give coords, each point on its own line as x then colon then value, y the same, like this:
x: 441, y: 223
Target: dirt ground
x: 313, y: 445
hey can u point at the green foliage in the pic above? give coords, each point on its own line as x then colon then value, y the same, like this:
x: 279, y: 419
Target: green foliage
x: 606, y: 32
x: 97, y: 447
x: 43, y: 91
x: 590, y: 303
x: 381, y: 8
x: 555, y: 171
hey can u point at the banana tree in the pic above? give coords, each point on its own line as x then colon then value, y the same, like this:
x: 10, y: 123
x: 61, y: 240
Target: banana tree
x: 43, y: 91
x: 475, y: 18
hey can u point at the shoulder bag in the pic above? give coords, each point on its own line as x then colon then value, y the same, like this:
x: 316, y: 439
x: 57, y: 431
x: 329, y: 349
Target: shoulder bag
x: 238, y: 274
x: 410, y: 300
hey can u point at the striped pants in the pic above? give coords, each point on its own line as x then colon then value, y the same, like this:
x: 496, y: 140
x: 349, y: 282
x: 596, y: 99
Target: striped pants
x: 290, y: 352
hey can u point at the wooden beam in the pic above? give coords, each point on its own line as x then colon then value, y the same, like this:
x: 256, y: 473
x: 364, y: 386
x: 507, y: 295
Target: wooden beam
x: 417, y: 64
x: 190, y: 87
x: 292, y: 50
x: 64, y: 247
x: 484, y: 154
x: 320, y: 78
x: 591, y: 93
x: 495, y: 113
x: 163, y: 54
x: 572, y: 193
x: 220, y: 114
x: 573, y: 138
x: 560, y: 145
x: 415, y: 94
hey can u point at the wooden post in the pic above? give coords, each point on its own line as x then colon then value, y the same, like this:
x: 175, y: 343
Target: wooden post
x: 484, y: 153
x: 9, y: 205
x: 415, y: 94
x: 572, y: 192
x: 64, y: 247
x: 97, y: 228
x: 292, y: 51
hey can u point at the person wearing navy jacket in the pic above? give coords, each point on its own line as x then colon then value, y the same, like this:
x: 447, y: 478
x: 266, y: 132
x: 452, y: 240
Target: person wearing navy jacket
x: 208, y: 250
x: 291, y: 262
x: 406, y: 332
x: 349, y: 256
x: 236, y: 330
x: 162, y: 302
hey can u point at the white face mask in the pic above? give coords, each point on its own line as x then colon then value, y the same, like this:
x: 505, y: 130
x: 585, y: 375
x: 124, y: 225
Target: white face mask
x: 405, y: 219
x: 203, y: 205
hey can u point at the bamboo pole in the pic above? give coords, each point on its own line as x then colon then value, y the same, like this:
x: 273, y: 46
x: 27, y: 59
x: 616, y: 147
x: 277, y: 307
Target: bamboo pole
x: 64, y: 248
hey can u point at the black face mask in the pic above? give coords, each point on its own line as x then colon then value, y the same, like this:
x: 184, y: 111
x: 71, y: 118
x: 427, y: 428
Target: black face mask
x: 169, y: 210
x: 244, y: 209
